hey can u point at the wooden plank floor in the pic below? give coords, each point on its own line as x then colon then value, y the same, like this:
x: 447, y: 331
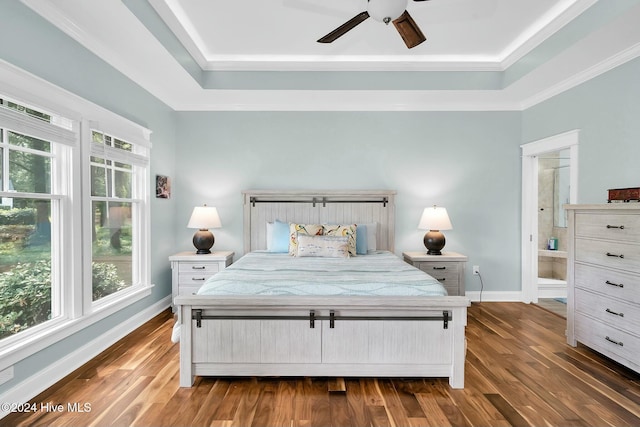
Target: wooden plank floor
x: 519, y: 372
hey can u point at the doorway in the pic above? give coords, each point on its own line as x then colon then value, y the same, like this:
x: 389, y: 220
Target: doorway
x: 538, y: 239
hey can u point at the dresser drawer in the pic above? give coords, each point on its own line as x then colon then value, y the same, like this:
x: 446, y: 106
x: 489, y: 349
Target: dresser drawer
x: 616, y: 255
x: 618, y: 314
x: 613, y: 226
x: 612, y: 283
x: 208, y: 268
x: 607, y: 339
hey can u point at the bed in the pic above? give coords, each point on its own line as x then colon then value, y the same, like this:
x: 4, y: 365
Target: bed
x: 274, y: 314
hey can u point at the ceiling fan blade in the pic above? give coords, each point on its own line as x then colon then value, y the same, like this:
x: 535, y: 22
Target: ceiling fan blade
x: 344, y: 28
x: 409, y: 30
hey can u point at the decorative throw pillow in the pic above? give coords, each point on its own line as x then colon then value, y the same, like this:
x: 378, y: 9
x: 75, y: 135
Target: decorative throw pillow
x: 362, y: 245
x: 277, y: 236
x: 323, y: 246
x: 348, y: 231
x: 297, y: 229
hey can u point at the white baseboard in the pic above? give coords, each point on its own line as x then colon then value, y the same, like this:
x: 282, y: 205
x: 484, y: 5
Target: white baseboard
x: 53, y: 373
x: 489, y: 296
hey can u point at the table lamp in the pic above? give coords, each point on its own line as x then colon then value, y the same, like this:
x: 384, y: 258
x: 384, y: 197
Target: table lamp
x: 434, y: 219
x: 203, y: 218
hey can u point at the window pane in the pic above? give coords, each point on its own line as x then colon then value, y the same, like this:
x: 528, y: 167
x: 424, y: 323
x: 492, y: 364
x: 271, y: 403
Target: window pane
x: 29, y: 142
x: 98, y: 180
x: 28, y: 111
x: 122, y: 184
x: 29, y: 173
x: 112, y: 247
x: 122, y: 145
x: 25, y: 266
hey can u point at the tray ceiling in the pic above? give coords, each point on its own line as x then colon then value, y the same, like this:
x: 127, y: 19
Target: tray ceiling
x: 263, y: 54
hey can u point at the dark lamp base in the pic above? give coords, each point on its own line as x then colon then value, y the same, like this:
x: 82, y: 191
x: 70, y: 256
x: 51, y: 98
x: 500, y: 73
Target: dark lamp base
x: 203, y: 241
x: 434, y: 242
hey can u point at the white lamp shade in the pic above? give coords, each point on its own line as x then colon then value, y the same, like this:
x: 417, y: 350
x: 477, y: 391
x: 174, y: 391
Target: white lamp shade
x: 381, y: 9
x: 435, y: 218
x: 204, y: 217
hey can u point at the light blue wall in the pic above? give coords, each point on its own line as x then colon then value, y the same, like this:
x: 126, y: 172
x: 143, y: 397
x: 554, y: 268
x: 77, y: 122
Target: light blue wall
x: 39, y: 48
x: 606, y: 110
x: 467, y: 162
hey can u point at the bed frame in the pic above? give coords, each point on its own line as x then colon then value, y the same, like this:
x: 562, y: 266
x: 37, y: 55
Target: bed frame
x: 334, y: 336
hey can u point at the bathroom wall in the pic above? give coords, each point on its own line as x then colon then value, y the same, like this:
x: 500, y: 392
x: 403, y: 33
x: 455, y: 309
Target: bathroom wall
x: 551, y: 264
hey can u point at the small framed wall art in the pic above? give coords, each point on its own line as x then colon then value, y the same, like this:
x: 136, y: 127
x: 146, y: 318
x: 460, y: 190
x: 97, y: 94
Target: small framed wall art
x: 163, y: 187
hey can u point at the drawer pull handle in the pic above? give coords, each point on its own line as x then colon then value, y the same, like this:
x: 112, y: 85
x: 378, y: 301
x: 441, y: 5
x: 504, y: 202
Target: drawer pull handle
x: 198, y: 279
x: 193, y: 267
x: 621, y: 227
x: 614, y: 341
x: 620, y: 285
x: 439, y: 268
x: 613, y: 312
x: 615, y: 255
x: 441, y: 280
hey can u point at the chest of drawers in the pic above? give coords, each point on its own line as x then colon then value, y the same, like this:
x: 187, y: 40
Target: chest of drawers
x: 603, y: 280
x: 189, y: 270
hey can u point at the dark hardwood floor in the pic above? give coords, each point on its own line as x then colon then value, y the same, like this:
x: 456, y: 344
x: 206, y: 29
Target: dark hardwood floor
x: 519, y: 372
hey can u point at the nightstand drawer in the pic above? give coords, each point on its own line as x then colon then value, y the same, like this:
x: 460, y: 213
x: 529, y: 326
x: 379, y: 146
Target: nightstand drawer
x: 448, y: 275
x: 188, y: 290
x: 193, y: 279
x: 203, y: 268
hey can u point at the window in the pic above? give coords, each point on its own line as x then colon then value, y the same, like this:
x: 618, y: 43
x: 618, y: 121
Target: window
x: 116, y: 203
x: 74, y: 217
x: 29, y: 209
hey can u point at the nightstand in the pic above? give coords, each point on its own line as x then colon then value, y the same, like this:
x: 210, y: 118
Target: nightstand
x: 190, y: 271
x: 447, y: 268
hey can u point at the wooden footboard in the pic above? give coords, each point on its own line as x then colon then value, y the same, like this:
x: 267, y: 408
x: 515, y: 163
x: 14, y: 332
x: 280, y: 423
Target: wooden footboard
x: 322, y: 336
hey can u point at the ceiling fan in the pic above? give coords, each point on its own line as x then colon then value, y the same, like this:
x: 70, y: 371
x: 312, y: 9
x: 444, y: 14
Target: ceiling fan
x: 384, y: 11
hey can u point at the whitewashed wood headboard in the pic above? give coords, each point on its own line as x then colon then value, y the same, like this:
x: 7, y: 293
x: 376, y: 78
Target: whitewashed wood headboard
x: 318, y: 207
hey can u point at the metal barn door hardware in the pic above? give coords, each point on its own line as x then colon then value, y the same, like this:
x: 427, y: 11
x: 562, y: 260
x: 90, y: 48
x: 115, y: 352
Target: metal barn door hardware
x: 198, y: 316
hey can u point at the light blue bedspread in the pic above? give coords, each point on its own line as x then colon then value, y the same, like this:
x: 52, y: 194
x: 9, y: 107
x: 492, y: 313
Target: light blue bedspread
x: 378, y: 273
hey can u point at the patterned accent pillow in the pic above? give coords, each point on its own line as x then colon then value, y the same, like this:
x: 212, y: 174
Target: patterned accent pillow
x: 296, y: 229
x: 323, y: 246
x: 343, y: 230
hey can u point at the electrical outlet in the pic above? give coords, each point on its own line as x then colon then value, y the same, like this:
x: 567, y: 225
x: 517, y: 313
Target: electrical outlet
x: 476, y: 270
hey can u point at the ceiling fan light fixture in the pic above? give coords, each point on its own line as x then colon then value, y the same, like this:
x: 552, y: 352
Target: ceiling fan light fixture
x: 386, y: 10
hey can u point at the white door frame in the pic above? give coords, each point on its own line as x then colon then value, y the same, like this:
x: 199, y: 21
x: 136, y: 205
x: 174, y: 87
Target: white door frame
x: 530, y: 152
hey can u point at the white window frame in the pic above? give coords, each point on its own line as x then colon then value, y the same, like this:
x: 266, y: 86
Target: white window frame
x: 76, y: 314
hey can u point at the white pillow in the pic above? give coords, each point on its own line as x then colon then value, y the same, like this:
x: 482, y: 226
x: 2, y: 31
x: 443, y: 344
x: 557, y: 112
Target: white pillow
x: 323, y: 246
